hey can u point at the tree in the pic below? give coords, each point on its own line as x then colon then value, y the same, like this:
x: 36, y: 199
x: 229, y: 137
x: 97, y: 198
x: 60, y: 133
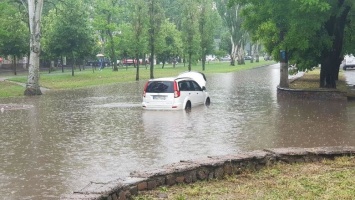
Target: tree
x: 335, y: 25
x: 172, y: 10
x: 207, y: 22
x: 139, y: 31
x: 155, y: 19
x: 233, y: 20
x: 169, y: 43
x: 69, y: 34
x: 14, y: 34
x: 190, y: 31
x: 106, y: 20
x: 314, y: 37
x: 35, y: 14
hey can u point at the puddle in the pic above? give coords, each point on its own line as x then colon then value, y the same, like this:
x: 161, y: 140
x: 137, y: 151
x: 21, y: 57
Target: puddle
x: 4, y: 107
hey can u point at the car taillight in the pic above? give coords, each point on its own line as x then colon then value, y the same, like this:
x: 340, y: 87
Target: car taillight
x: 176, y: 90
x: 145, y: 89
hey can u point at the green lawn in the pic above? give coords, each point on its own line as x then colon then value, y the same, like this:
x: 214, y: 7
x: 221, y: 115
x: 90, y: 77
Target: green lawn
x: 310, y: 81
x: 10, y: 89
x: 329, y: 179
x: 86, y: 78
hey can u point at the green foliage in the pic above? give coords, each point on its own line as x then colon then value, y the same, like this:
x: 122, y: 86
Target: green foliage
x: 280, y: 26
x: 14, y: 34
x: 67, y: 31
x: 107, y: 15
x: 139, y: 27
x: 311, y: 31
x: 207, y: 24
x: 190, y: 31
x: 232, y: 19
x: 169, y: 42
x: 349, y: 42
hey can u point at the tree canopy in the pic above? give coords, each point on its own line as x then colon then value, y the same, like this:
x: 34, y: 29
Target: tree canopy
x: 14, y: 35
x: 311, y: 32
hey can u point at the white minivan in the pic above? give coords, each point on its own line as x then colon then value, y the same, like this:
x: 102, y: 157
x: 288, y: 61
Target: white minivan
x: 176, y: 93
x: 348, y: 62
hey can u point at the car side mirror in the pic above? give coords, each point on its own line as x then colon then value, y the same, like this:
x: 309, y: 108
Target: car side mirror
x: 203, y: 88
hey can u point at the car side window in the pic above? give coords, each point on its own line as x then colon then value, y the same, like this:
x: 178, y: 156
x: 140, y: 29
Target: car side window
x: 190, y: 87
x: 183, y: 86
x: 195, y: 86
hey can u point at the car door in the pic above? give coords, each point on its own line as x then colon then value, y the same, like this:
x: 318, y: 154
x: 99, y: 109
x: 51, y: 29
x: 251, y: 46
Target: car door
x: 197, y: 93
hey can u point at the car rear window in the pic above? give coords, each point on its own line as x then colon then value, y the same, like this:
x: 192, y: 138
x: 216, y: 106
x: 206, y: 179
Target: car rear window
x: 160, y: 87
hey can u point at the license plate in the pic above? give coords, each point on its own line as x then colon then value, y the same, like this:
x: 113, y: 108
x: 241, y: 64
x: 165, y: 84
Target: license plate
x: 159, y: 97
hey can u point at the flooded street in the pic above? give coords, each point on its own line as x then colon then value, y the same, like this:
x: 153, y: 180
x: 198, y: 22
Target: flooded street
x: 63, y: 140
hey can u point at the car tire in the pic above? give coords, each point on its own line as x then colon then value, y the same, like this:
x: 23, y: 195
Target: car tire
x: 208, y: 102
x: 188, y: 106
x: 344, y: 67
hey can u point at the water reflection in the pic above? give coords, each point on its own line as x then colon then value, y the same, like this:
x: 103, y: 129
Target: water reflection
x: 65, y: 139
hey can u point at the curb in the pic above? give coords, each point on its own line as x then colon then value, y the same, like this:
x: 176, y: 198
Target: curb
x: 212, y: 167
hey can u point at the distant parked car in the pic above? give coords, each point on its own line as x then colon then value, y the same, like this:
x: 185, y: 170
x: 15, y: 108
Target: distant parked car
x: 210, y: 58
x: 266, y: 57
x: 225, y: 58
x: 348, y: 62
x: 247, y: 58
x: 130, y: 61
x: 176, y: 93
x: 103, y: 63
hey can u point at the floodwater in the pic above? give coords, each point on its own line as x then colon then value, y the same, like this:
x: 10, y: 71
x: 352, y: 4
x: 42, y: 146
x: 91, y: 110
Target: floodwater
x: 61, y: 141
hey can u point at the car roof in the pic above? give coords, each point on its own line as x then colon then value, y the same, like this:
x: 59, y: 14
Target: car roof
x: 171, y: 79
x: 199, y: 77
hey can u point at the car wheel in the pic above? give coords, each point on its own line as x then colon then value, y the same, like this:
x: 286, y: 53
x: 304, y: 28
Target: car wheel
x: 208, y: 102
x: 344, y: 68
x: 188, y: 106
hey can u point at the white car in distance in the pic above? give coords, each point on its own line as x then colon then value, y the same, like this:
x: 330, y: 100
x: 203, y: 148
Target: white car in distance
x: 176, y: 93
x: 348, y: 62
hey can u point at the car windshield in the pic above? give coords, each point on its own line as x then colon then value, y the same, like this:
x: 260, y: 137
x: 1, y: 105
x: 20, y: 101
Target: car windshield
x: 160, y: 87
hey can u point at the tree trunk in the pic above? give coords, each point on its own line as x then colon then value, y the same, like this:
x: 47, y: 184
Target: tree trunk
x: 252, y: 53
x: 203, y: 60
x: 137, y: 67
x: 327, y: 77
x: 335, y: 27
x: 113, y: 53
x: 35, y: 12
x: 203, y: 63
x: 15, y: 65
x: 190, y: 57
x: 284, y: 75
x: 152, y: 36
x: 152, y: 52
x: 284, y: 70
x: 73, y: 65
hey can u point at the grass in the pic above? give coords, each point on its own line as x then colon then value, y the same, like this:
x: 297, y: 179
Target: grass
x: 88, y: 77
x: 10, y: 89
x: 310, y: 81
x: 329, y: 179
